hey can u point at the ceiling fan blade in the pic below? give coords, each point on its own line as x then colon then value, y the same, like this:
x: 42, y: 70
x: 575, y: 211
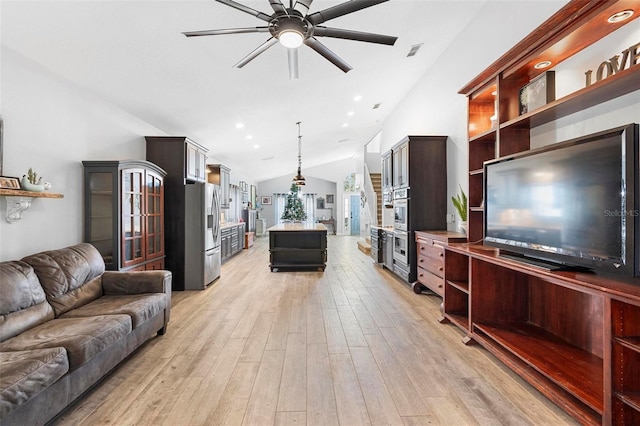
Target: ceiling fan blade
x: 251, y: 56
x: 354, y: 35
x: 302, y: 6
x: 313, y: 43
x: 278, y: 7
x: 340, y: 10
x: 293, y: 63
x: 227, y: 31
x: 246, y: 9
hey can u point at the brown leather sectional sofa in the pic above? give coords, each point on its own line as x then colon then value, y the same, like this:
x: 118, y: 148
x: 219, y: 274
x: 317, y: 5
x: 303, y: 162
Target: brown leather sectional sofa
x: 65, y: 323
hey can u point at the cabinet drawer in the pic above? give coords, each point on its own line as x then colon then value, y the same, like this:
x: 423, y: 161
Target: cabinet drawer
x: 433, y: 282
x: 156, y: 265
x: 435, y: 266
x: 430, y: 248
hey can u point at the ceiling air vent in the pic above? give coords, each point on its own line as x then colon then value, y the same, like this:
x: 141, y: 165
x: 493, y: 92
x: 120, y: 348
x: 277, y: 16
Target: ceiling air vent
x: 414, y: 49
x: 376, y: 106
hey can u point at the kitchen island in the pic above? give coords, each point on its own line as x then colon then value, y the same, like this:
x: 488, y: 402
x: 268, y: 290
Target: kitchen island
x: 298, y: 246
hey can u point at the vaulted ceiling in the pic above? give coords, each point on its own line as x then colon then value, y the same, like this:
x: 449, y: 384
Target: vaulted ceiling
x: 133, y: 54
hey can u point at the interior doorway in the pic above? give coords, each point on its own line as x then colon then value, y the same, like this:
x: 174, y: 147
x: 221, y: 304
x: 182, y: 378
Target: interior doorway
x: 354, y: 215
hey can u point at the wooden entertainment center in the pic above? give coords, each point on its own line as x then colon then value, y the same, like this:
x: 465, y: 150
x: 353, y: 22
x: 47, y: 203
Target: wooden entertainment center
x: 574, y: 336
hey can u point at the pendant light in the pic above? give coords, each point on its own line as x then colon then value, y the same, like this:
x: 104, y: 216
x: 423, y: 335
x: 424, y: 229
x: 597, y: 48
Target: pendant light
x: 299, y: 179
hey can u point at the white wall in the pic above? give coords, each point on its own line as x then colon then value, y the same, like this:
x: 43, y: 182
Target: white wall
x: 52, y: 125
x: 434, y: 106
x: 282, y: 184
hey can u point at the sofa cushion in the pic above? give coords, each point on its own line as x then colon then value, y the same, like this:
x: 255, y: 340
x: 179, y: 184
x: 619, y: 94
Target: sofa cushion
x: 83, y: 338
x: 23, y: 374
x: 70, y: 276
x: 140, y: 307
x: 23, y: 303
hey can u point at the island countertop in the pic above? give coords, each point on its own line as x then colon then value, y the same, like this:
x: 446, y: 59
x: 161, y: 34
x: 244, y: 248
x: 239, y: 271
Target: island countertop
x: 305, y: 226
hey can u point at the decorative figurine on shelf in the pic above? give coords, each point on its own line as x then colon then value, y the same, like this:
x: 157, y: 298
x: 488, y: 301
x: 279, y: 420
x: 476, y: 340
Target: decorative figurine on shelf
x: 31, y: 182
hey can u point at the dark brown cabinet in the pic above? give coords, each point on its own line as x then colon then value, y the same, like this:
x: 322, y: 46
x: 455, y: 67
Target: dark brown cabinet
x: 124, y: 213
x: 181, y: 157
x: 420, y: 196
x: 298, y: 246
x: 184, y: 161
x: 220, y: 175
x: 430, y: 254
x: 574, y: 336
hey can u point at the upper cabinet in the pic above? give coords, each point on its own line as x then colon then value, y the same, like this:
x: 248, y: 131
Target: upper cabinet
x: 401, y: 165
x: 498, y: 125
x: 181, y: 157
x: 196, y: 162
x: 220, y: 175
x: 124, y: 213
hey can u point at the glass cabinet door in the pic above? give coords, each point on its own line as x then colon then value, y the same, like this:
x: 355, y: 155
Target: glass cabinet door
x: 132, y: 216
x: 101, y: 208
x: 155, y: 225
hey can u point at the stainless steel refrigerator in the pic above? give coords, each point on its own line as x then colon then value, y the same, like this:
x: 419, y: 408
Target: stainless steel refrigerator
x: 202, y: 235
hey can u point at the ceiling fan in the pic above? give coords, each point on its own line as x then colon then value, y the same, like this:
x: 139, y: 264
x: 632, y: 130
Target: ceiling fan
x: 292, y: 26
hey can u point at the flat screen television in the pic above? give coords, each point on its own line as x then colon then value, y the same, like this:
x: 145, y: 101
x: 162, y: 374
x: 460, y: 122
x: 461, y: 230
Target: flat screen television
x: 570, y: 204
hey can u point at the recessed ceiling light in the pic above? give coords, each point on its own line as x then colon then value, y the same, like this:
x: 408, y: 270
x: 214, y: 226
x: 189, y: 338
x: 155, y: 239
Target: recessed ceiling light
x: 249, y: 137
x: 350, y: 113
x: 620, y: 16
x: 239, y: 125
x: 256, y: 146
x: 357, y: 98
x: 542, y: 64
x: 268, y: 158
x: 345, y: 124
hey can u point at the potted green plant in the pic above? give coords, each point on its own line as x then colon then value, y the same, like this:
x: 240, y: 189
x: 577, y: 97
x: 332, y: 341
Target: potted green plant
x: 460, y: 204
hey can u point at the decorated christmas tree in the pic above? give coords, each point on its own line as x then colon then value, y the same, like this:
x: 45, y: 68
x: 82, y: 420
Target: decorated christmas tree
x: 293, y: 207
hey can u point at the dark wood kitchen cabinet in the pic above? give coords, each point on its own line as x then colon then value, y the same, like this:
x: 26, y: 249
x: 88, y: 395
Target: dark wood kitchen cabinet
x: 179, y: 156
x: 124, y: 213
x: 220, y: 175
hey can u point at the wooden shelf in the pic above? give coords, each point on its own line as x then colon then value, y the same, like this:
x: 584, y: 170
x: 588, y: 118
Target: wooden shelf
x: 21, y: 193
x: 632, y: 343
x: 460, y: 285
x: 632, y: 399
x: 487, y: 136
x: 575, y: 370
x: 18, y: 201
x: 610, y: 88
x: 460, y: 320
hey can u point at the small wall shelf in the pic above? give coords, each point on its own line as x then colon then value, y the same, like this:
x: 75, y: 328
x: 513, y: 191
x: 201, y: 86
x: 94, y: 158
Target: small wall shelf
x: 18, y: 201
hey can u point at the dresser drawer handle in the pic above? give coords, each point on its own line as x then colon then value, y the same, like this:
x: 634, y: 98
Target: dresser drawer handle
x: 441, y: 254
x: 440, y: 268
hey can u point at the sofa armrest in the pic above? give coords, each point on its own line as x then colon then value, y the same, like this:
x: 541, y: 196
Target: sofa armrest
x: 124, y: 282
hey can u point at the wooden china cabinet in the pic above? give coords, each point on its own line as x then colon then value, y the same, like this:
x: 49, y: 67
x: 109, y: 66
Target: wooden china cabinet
x: 124, y: 213
x: 574, y: 336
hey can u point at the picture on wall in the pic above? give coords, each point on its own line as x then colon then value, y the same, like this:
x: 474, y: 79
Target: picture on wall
x: 330, y: 199
x: 265, y: 200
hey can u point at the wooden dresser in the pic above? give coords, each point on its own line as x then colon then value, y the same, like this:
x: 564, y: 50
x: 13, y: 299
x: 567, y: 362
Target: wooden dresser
x: 430, y: 257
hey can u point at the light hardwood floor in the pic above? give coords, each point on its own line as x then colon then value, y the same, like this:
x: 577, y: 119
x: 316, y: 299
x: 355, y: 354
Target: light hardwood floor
x: 349, y: 346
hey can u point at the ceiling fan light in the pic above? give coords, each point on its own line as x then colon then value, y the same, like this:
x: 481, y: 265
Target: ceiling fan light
x: 290, y: 39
